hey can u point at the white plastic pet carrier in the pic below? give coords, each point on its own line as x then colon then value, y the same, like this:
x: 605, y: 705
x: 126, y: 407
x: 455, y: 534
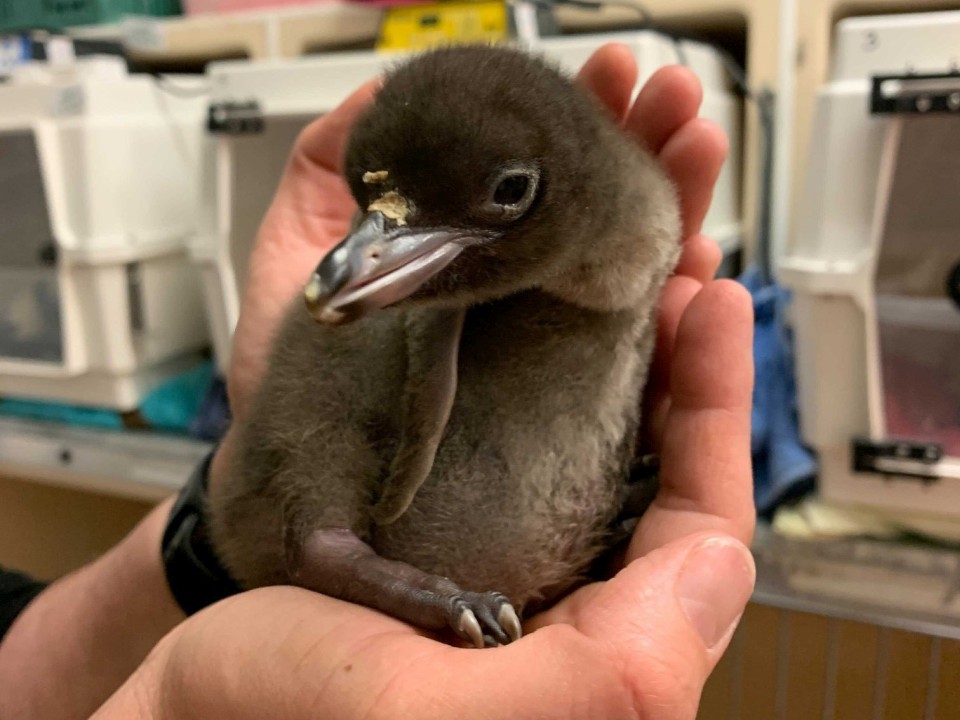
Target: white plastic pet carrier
x: 99, y: 301
x: 875, y: 267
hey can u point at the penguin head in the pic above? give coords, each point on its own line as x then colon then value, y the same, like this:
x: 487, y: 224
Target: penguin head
x: 477, y: 173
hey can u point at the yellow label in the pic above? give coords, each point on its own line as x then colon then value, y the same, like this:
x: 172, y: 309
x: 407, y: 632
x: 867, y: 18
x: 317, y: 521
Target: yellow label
x: 417, y: 27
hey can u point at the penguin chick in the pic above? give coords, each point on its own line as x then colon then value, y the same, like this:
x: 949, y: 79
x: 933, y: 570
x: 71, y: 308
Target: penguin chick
x: 445, y: 432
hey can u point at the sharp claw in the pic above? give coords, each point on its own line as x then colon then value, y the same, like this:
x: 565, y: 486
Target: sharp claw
x: 510, y: 622
x: 468, y: 624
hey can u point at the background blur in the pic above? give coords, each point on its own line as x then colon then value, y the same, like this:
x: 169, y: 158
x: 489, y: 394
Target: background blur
x: 141, y: 142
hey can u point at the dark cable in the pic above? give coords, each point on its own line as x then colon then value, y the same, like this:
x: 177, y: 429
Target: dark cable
x: 180, y: 91
x: 765, y: 106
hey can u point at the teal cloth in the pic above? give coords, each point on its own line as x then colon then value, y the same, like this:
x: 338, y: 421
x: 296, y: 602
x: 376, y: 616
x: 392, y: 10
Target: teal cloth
x: 63, y: 414
x: 171, y: 407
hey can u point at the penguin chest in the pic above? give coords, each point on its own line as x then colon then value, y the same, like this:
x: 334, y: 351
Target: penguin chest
x: 531, y: 467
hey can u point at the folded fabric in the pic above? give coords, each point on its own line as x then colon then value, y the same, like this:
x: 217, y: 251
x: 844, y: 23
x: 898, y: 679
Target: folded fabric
x: 783, y: 467
x: 63, y: 414
x: 171, y: 407
x: 213, y: 416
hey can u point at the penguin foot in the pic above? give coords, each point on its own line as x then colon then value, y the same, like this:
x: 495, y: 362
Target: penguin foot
x: 485, y: 619
x: 335, y: 562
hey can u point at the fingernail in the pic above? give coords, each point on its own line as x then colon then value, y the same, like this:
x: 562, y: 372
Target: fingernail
x: 714, y: 586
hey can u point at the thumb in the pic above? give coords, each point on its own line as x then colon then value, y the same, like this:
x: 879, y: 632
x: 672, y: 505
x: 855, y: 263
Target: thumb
x: 671, y: 614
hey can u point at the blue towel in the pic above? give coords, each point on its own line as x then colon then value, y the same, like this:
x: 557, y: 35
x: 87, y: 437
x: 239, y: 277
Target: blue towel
x: 213, y: 417
x: 783, y: 467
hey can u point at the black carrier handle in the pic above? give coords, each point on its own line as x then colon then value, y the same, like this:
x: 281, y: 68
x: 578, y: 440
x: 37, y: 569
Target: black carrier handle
x: 900, y: 458
x: 235, y: 118
x: 916, y: 94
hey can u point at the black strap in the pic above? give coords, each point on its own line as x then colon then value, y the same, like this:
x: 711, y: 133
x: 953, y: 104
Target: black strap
x: 17, y: 590
x: 194, y: 573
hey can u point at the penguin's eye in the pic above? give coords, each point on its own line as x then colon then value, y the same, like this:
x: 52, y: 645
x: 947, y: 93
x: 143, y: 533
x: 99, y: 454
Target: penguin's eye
x: 511, y: 194
x: 511, y: 190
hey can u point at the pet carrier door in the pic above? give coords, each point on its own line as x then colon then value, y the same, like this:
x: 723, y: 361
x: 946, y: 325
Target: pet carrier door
x: 30, y: 307
x: 915, y: 402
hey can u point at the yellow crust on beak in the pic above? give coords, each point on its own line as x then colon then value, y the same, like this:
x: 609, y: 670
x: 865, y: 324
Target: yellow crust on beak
x: 393, y: 205
x: 377, y: 177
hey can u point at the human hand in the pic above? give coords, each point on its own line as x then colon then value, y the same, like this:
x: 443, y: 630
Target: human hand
x: 664, y: 119
x: 638, y: 645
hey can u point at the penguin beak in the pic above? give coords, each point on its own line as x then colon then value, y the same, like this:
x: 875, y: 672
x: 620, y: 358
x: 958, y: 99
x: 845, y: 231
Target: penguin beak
x: 377, y: 265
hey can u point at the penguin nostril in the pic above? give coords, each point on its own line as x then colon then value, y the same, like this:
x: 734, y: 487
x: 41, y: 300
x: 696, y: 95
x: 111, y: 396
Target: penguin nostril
x: 374, y: 256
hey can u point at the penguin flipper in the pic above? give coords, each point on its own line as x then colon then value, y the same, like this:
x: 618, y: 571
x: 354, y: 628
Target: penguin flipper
x: 433, y: 344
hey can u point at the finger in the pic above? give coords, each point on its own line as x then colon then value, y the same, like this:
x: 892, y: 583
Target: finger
x: 669, y: 616
x: 282, y: 652
x: 323, y: 141
x: 693, y: 156
x: 300, y: 654
x: 312, y: 206
x: 668, y: 100
x: 674, y: 299
x: 309, y: 213
x: 698, y: 264
x: 610, y: 74
x: 701, y: 258
x: 705, y: 469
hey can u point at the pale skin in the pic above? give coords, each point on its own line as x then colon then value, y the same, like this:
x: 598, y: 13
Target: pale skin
x: 638, y: 645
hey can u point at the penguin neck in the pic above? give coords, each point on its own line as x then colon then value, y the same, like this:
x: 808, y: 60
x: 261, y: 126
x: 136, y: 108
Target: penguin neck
x: 530, y: 346
x: 537, y: 307
x: 602, y: 284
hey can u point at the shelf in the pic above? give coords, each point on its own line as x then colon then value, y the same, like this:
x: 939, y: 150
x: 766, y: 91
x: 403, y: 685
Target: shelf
x: 257, y: 35
x: 298, y: 31
x: 135, y: 464
x: 902, y: 586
